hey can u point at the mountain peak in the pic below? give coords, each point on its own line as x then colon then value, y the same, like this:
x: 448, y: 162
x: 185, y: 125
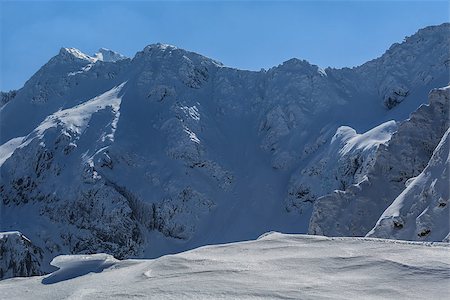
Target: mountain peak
x: 160, y: 47
x: 108, y: 55
x: 74, y: 54
x: 295, y: 64
x: 103, y: 54
x: 424, y: 36
x: 160, y: 51
x: 301, y: 63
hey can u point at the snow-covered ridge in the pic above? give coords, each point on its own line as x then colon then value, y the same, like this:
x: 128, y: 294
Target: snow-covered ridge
x: 346, y: 160
x: 160, y: 50
x: 353, y: 141
x: 5, y: 97
x: 276, y: 266
x: 77, y: 118
x: 103, y: 54
x: 73, y: 53
x: 353, y: 211
x: 107, y: 55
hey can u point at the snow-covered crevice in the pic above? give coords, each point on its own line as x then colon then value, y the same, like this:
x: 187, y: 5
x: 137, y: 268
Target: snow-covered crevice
x: 355, y: 211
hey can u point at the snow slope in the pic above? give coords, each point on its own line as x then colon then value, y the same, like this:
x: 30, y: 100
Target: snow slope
x: 171, y: 150
x: 275, y: 266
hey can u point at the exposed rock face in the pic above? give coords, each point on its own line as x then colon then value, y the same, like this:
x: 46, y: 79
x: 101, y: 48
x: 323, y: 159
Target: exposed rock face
x: 5, y: 97
x: 421, y: 211
x: 18, y: 256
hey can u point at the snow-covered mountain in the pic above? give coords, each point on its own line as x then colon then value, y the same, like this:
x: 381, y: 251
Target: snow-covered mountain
x: 275, y: 266
x: 171, y: 150
x: 386, y: 170
x: 421, y: 211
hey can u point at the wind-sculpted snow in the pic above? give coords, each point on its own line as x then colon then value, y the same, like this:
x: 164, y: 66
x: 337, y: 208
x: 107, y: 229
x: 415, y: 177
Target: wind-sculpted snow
x: 275, y: 266
x: 172, y: 150
x: 72, y: 266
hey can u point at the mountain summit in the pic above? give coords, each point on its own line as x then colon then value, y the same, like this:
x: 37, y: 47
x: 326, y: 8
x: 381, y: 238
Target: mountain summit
x: 107, y: 55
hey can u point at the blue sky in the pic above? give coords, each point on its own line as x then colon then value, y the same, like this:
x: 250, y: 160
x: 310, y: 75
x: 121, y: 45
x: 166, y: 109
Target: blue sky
x: 243, y: 34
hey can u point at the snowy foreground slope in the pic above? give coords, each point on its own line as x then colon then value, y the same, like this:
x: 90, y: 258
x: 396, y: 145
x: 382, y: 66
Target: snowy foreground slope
x: 275, y: 266
x: 170, y: 150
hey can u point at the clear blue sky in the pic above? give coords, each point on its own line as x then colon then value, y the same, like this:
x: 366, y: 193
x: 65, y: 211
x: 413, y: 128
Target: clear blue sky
x: 245, y: 34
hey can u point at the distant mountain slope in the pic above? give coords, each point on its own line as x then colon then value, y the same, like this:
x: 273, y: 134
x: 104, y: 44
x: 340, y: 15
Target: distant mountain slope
x: 354, y: 210
x: 171, y: 150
